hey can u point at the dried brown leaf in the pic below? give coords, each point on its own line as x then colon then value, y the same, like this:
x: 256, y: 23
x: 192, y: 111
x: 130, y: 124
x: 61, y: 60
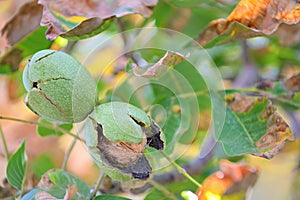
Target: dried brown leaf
x: 26, y: 20
x: 288, y: 34
x: 292, y: 84
x: 21, y: 36
x: 266, y: 15
x: 278, y: 130
x: 262, y: 17
x: 170, y: 59
x: 87, y: 16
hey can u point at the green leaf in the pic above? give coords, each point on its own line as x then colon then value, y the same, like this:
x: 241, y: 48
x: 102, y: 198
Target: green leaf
x: 109, y: 197
x: 61, y: 180
x: 16, y: 167
x: 242, y: 130
x: 43, y: 131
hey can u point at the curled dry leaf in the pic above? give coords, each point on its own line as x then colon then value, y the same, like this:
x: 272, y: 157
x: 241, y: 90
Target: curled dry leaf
x: 87, y: 18
x: 278, y: 130
x: 292, y: 84
x: 170, y: 59
x: 232, y: 179
x: 21, y: 28
x: 253, y: 18
x: 25, y: 21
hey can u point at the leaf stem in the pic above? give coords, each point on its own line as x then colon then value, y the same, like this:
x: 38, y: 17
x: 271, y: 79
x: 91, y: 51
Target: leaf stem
x: 67, y: 156
x: 4, y: 143
x: 160, y: 187
x: 181, y: 170
x: 98, y: 184
x: 43, y: 125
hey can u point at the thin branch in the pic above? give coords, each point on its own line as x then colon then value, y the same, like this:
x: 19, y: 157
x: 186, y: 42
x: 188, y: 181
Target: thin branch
x: 43, y: 125
x: 181, y: 170
x: 248, y: 75
x: 98, y: 184
x: 161, y: 188
x: 135, y: 57
x: 68, y: 154
x: 4, y: 143
x: 295, y: 123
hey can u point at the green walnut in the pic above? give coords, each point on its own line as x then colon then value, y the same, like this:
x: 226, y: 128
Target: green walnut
x: 59, y: 87
x: 117, y: 134
x: 122, y: 121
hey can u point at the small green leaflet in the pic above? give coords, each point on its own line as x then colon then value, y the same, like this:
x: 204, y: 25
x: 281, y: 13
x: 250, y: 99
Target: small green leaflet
x: 43, y: 131
x: 16, y: 167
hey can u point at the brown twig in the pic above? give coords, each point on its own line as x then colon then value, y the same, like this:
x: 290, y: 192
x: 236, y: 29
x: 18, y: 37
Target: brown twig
x: 248, y: 75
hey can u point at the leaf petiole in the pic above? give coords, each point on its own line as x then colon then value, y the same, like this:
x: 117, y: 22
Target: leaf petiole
x: 181, y: 170
x: 4, y: 143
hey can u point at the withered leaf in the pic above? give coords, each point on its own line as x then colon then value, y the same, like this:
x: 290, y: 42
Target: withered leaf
x: 26, y: 20
x: 125, y: 157
x: 170, y: 59
x: 86, y: 17
x: 266, y: 15
x: 262, y: 17
x: 22, y: 36
x: 233, y: 178
x: 290, y: 31
x: 278, y: 133
x: 292, y: 84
